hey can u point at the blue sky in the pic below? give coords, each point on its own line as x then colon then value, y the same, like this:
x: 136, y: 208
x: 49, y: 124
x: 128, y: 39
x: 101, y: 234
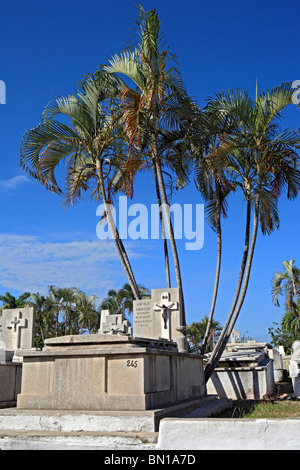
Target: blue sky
x: 46, y: 47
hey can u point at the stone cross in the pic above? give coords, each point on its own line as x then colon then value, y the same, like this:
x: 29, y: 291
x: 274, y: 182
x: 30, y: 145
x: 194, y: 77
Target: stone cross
x: 234, y: 334
x: 165, y: 313
x: 17, y: 323
x: 114, y: 324
x: 18, y: 330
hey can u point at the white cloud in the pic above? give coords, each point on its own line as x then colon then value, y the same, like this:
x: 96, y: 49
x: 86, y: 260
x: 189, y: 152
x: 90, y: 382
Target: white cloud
x: 14, y: 183
x: 29, y: 264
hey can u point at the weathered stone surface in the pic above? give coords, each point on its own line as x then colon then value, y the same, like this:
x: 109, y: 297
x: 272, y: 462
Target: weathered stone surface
x: 10, y: 382
x: 100, y: 372
x: 17, y: 330
x: 246, y: 371
x: 294, y: 368
x: 160, y: 317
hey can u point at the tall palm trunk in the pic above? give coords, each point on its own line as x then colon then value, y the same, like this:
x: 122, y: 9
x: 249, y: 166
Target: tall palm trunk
x: 163, y: 230
x: 169, y: 227
x: 217, y: 276
x: 115, y: 235
x: 126, y: 259
x: 243, y: 291
x: 248, y: 267
x: 219, y: 347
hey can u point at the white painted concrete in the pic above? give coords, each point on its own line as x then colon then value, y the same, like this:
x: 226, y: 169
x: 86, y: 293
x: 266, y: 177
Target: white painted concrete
x: 41, y: 421
x: 229, y: 434
x: 53, y: 430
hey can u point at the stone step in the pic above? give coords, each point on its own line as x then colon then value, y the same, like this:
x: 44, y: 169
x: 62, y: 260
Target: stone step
x: 212, y: 408
x: 50, y: 440
x: 16, y: 419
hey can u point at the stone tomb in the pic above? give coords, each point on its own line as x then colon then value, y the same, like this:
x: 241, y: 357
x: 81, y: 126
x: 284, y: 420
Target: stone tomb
x: 112, y: 370
x: 294, y: 368
x: 245, y: 371
x: 160, y: 317
x: 109, y: 372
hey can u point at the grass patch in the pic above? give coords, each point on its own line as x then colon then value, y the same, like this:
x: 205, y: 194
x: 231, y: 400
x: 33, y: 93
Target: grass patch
x: 257, y: 410
x: 275, y: 405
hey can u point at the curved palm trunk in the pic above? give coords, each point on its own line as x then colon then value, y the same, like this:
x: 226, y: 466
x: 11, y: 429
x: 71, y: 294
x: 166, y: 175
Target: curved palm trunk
x: 219, y: 347
x: 170, y: 231
x: 126, y: 259
x: 116, y: 238
x: 248, y: 269
x: 216, y: 286
x: 163, y: 230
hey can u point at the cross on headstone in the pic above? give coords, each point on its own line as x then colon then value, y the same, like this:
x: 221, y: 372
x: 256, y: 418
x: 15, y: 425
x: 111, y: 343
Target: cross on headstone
x: 17, y: 323
x: 234, y: 335
x: 165, y: 308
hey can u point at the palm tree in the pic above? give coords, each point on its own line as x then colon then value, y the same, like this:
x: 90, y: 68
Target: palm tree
x: 87, y: 312
x: 287, y: 283
x: 196, y: 334
x: 90, y: 145
x: 152, y: 106
x: 44, y: 327
x: 10, y: 301
x: 212, y: 178
x: 266, y: 160
x: 112, y: 302
x: 120, y: 302
x: 127, y: 297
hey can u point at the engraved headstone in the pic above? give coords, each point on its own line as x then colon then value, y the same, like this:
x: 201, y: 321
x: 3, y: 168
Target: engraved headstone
x: 160, y: 317
x: 143, y: 318
x: 18, y: 329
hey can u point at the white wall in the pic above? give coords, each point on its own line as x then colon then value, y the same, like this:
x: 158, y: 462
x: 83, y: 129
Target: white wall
x: 229, y: 434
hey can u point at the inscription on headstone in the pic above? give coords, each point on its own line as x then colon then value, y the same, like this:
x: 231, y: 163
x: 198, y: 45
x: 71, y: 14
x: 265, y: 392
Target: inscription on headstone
x: 160, y: 317
x: 143, y: 318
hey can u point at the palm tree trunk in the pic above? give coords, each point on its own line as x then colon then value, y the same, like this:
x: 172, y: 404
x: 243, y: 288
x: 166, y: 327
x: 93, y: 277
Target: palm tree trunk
x: 234, y: 315
x: 248, y: 267
x: 217, y: 279
x: 211, y: 363
x: 170, y: 229
x: 114, y: 233
x: 163, y: 230
x: 122, y: 247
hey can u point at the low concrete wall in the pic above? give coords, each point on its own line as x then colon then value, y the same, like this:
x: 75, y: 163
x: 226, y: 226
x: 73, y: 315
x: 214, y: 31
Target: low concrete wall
x: 10, y: 383
x: 229, y: 434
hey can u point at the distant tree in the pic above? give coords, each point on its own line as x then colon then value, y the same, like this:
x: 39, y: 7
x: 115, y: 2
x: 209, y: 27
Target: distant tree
x: 244, y: 338
x: 10, y: 301
x: 44, y: 327
x: 196, y: 333
x: 121, y: 301
x: 89, y: 316
x: 281, y: 336
x: 287, y: 283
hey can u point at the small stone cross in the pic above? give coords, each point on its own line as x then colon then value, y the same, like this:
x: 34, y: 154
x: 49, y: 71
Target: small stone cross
x: 234, y: 335
x: 17, y: 323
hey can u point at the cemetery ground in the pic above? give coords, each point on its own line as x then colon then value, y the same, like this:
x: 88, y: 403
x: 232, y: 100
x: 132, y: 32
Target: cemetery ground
x: 280, y: 404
